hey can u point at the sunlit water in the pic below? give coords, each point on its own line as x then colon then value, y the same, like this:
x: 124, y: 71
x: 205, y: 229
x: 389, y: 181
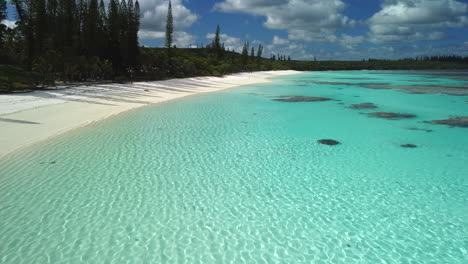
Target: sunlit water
x: 235, y: 177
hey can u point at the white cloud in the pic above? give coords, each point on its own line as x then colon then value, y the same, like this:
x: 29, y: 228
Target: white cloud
x: 184, y: 39
x: 416, y: 20
x: 309, y: 20
x: 293, y: 49
x: 154, y: 13
x: 350, y: 42
x: 181, y: 39
x: 153, y: 20
x: 148, y: 34
x: 8, y: 23
x: 279, y: 41
x: 231, y: 43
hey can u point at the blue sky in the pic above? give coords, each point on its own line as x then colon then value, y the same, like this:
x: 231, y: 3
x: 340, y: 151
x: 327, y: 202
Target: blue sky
x: 326, y: 29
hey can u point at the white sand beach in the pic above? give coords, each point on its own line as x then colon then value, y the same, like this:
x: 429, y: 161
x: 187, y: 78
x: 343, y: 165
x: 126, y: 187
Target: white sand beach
x: 28, y: 118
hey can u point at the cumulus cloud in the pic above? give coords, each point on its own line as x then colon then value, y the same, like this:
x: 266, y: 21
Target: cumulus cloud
x: 184, y: 39
x: 350, y: 42
x: 279, y: 41
x: 154, y: 12
x: 153, y: 20
x: 308, y: 20
x: 148, y: 34
x: 8, y: 23
x: 416, y: 20
x: 181, y: 39
x: 231, y: 43
x: 293, y: 49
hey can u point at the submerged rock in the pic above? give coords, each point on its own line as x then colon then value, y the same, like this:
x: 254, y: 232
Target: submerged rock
x: 420, y: 129
x: 389, y: 115
x: 298, y: 98
x: 409, y: 146
x: 459, y: 90
x: 363, y: 106
x: 329, y: 142
x: 461, y: 121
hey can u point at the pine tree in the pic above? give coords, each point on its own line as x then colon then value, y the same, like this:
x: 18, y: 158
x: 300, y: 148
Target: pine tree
x: 25, y: 20
x: 82, y: 8
x: 114, y: 34
x: 53, y: 24
x: 169, y: 28
x: 103, y: 31
x: 68, y: 23
x: 2, y: 9
x: 2, y: 27
x: 41, y: 25
x: 252, y: 52
x: 217, y: 42
x: 123, y: 33
x: 52, y: 7
x: 91, y: 34
x: 102, y: 23
x: 134, y: 24
x: 245, y: 53
x: 260, y: 51
x: 102, y: 14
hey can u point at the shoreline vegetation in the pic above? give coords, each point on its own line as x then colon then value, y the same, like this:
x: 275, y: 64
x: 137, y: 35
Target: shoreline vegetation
x: 58, y: 42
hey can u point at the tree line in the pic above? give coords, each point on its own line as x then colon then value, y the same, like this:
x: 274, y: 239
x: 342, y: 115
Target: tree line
x: 440, y: 58
x: 82, y: 40
x: 78, y: 38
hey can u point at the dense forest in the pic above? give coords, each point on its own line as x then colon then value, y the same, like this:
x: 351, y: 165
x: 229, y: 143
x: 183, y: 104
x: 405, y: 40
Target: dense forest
x: 57, y: 41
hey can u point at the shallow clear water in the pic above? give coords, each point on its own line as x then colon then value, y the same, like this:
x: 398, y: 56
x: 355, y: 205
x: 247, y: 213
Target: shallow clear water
x: 236, y: 177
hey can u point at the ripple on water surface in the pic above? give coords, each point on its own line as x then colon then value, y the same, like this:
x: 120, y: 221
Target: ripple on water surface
x: 237, y: 177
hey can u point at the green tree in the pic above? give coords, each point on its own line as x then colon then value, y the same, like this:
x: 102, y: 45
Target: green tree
x: 252, y: 52
x: 245, y: 53
x: 113, y: 25
x: 2, y: 26
x: 217, y: 43
x: 2, y: 9
x: 68, y: 23
x: 81, y: 10
x: 24, y: 11
x: 134, y: 24
x: 39, y: 21
x: 102, y: 15
x: 260, y: 51
x: 123, y: 33
x: 103, y: 30
x: 92, y: 27
x: 169, y: 28
x: 53, y: 24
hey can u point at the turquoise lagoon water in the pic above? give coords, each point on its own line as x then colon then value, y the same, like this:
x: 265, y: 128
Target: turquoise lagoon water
x: 235, y: 177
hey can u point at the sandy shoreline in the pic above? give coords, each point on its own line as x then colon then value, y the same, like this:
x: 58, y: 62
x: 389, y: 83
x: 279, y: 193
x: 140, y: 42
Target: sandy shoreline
x: 29, y: 118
